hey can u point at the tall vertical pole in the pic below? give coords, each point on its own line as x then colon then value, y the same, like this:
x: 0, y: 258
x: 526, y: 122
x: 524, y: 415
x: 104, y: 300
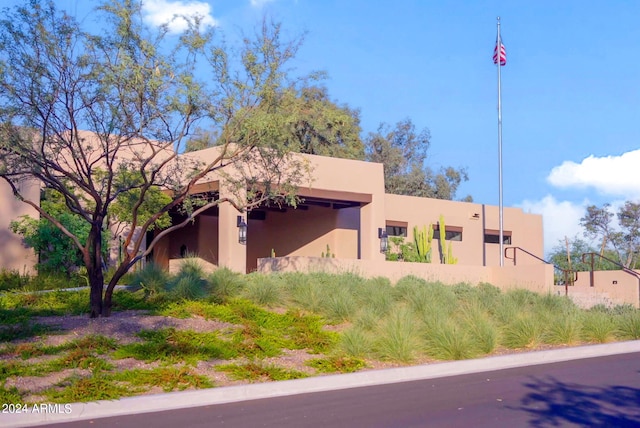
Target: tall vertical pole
x: 500, y: 205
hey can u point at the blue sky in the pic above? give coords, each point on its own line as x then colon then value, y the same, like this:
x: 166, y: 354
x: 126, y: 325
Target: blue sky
x: 571, y: 86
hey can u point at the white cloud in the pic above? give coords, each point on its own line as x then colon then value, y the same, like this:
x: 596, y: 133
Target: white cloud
x: 610, y: 175
x: 260, y: 3
x: 559, y: 218
x: 173, y: 13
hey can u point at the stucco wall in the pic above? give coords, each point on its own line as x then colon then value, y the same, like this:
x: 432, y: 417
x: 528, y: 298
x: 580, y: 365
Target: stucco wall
x: 14, y: 255
x: 474, y: 219
x: 538, y: 278
x: 613, y: 287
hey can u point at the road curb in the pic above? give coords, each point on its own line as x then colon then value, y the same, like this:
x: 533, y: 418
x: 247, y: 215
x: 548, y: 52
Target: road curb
x: 197, y: 398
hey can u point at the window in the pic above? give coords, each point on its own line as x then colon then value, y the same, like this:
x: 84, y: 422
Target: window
x: 397, y: 231
x: 493, y: 237
x: 396, y: 228
x: 451, y: 233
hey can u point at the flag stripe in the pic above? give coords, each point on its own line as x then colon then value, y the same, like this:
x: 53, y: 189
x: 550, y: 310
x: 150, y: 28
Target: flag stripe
x: 503, y: 53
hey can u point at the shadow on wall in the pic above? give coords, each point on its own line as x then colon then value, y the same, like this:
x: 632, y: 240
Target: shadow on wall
x: 552, y: 403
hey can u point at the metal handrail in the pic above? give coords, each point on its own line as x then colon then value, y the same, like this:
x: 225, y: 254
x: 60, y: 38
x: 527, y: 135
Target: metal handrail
x: 570, y: 276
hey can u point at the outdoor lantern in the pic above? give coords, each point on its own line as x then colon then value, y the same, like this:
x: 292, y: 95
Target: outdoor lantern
x: 384, y: 240
x: 242, y: 230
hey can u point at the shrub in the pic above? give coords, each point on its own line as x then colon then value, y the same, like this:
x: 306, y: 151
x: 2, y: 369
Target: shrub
x: 629, y: 325
x: 450, y: 342
x: 524, y: 331
x: 355, y: 342
x: 483, y: 332
x: 12, y: 280
x: 397, y: 337
x: 339, y: 305
x: 598, y: 326
x: 152, y: 279
x: 264, y: 290
x: 223, y: 284
x: 189, y: 282
x: 565, y: 327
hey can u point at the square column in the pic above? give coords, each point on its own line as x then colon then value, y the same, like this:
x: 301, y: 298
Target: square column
x: 231, y: 253
x: 371, y: 218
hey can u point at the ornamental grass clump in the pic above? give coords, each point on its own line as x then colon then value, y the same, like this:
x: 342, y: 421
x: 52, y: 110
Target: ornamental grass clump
x: 525, y: 331
x: 481, y: 328
x: 397, y: 336
x: 450, y: 342
x: 564, y: 327
x: 339, y: 305
x: 264, y: 290
x: 153, y: 279
x: 628, y: 325
x: 598, y: 327
x: 356, y: 342
x: 189, y: 282
x: 223, y: 284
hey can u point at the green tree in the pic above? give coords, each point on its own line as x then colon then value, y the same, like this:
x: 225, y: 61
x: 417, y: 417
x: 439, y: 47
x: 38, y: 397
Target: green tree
x: 56, y: 251
x: 598, y: 224
x: 101, y: 116
x: 629, y: 237
x: 573, y: 261
x: 314, y: 125
x: 403, y: 152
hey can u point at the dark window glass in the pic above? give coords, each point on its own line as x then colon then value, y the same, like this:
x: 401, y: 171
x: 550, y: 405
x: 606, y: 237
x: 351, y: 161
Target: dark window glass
x: 494, y: 238
x: 396, y: 231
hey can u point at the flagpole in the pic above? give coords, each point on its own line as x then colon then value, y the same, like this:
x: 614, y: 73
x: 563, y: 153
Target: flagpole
x: 500, y: 204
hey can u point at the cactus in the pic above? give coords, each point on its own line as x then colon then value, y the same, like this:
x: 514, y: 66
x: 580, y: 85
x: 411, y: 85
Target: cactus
x: 446, y: 249
x: 328, y: 254
x: 423, y: 239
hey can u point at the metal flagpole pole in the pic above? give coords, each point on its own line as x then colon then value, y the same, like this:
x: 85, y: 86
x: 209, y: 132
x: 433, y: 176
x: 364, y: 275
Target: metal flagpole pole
x: 500, y: 205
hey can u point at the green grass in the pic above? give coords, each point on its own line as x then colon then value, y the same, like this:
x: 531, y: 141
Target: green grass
x: 168, y: 378
x: 337, y: 364
x: 171, y: 346
x: 257, y: 371
x: 344, y: 319
x: 82, y: 389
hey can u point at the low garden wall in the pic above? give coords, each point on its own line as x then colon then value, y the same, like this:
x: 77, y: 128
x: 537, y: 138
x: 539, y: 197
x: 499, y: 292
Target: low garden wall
x: 538, y: 278
x: 611, y: 287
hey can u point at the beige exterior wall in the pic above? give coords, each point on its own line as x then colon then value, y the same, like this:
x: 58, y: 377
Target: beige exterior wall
x: 525, y: 229
x: 351, y: 233
x: 613, y: 287
x: 14, y: 255
x: 303, y: 233
x: 537, y: 278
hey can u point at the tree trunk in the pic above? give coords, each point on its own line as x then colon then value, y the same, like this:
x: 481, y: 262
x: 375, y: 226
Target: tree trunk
x: 96, y: 284
x: 93, y: 262
x: 120, y: 271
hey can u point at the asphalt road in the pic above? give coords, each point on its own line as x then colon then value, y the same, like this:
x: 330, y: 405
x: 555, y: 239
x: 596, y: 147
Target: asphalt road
x: 595, y: 392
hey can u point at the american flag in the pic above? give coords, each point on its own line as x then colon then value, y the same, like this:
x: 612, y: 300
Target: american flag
x: 502, y: 53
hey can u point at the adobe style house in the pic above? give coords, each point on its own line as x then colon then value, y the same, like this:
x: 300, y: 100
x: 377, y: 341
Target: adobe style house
x: 342, y: 210
x: 341, y: 213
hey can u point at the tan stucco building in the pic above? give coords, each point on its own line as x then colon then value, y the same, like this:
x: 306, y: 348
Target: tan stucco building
x: 342, y: 210
x: 14, y: 255
x: 343, y: 207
